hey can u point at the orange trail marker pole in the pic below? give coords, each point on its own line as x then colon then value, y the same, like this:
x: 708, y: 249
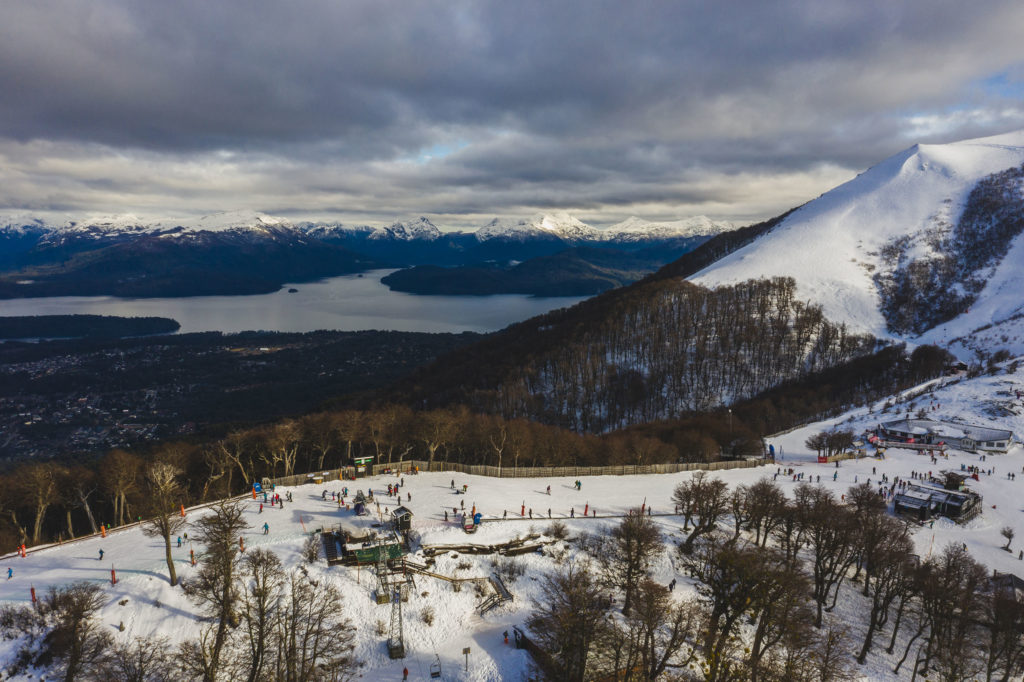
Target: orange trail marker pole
x: 33, y: 588
x: 103, y: 531
x: 182, y: 511
x: 113, y: 576
x: 241, y: 544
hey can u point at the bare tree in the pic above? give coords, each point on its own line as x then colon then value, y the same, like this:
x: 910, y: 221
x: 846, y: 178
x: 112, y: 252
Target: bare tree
x: 284, y: 441
x: 831, y: 535
x: 634, y: 544
x: 213, y: 586
x: 77, y: 638
x: 312, y: 639
x: 83, y: 484
x: 890, y: 571
x: 1003, y: 621
x: 143, y: 659
x: 321, y: 433
x: 120, y: 471
x: 732, y: 579
x: 568, y: 619
x: 264, y: 580
x: 764, y: 508
x: 652, y: 639
x: 163, y: 494
x: 953, y: 607
x: 436, y: 428
x: 1008, y: 533
x: 703, y: 501
x: 39, y: 485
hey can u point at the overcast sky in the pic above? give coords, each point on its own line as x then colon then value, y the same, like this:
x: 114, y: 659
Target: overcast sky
x: 461, y: 111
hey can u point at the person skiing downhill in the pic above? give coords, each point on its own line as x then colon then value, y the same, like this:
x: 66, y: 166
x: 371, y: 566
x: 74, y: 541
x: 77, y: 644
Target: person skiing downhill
x: 10, y: 572
x: 101, y: 555
x: 266, y: 528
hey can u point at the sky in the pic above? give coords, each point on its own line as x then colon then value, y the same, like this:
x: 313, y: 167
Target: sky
x: 371, y: 111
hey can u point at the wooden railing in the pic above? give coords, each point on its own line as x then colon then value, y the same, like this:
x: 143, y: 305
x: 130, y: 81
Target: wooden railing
x: 523, y: 472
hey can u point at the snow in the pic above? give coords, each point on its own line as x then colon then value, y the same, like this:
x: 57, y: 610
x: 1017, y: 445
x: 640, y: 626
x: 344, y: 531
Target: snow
x: 635, y: 228
x: 989, y: 399
x: 561, y: 225
x: 831, y: 245
x: 418, y: 229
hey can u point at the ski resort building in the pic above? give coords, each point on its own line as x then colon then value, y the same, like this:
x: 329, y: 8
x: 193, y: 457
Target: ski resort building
x: 927, y: 499
x: 925, y: 432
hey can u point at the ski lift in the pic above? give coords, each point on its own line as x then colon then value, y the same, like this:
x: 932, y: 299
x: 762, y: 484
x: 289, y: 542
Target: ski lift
x: 435, y: 667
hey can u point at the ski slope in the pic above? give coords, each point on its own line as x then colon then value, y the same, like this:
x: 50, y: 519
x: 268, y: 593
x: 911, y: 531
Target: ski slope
x: 153, y: 607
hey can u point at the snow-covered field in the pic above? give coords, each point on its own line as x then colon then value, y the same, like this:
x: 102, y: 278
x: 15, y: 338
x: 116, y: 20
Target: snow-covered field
x: 154, y: 607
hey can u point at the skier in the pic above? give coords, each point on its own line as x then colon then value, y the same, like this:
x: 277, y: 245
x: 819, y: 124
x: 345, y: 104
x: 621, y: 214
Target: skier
x: 10, y: 572
x: 572, y: 513
x: 266, y: 528
x: 405, y: 674
x: 261, y: 507
x: 179, y: 541
x: 445, y: 514
x: 101, y: 555
x: 323, y: 495
x: 408, y: 497
x: 506, y: 636
x: 453, y: 484
x: 549, y: 490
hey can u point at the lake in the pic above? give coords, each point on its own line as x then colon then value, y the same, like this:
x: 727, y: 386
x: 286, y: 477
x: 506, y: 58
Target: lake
x: 346, y: 303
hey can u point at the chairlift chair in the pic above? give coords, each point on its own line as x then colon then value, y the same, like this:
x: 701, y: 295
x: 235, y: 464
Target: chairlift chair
x: 435, y: 667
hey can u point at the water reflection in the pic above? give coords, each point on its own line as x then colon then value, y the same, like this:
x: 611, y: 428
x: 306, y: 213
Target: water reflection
x: 346, y: 303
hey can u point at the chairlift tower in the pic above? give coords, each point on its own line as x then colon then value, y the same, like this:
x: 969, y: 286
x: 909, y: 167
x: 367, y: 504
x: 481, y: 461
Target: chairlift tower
x: 396, y: 641
x: 383, y: 587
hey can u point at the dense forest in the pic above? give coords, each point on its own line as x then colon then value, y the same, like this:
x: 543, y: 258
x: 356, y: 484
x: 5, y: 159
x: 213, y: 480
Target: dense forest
x: 654, y: 351
x: 580, y: 271
x: 49, y: 500
x: 919, y: 292
x: 69, y: 326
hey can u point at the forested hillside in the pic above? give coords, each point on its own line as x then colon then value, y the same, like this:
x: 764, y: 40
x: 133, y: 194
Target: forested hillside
x: 933, y: 275
x: 654, y: 351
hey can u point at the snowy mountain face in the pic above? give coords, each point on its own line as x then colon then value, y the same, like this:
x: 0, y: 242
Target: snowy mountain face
x: 566, y: 227
x: 924, y: 246
x: 419, y: 229
x: 543, y: 226
x: 638, y: 229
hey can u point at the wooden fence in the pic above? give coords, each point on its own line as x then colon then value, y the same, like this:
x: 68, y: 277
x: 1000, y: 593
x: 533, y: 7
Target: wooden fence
x: 521, y: 472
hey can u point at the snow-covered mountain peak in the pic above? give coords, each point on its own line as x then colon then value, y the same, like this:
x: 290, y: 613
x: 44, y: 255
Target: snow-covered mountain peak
x: 851, y: 249
x: 560, y: 225
x: 697, y: 226
x: 564, y: 225
x: 419, y: 229
x: 235, y: 220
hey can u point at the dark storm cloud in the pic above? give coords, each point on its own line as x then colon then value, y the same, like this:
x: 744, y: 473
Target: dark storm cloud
x: 458, y: 107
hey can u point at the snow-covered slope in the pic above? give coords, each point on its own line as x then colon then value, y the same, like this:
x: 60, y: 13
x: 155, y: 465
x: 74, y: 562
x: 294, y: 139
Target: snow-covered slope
x: 635, y: 229
x: 543, y: 225
x: 857, y: 249
x: 419, y: 229
x: 144, y: 602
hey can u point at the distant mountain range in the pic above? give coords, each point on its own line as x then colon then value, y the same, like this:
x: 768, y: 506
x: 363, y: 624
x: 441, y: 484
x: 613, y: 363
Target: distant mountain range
x: 250, y: 252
